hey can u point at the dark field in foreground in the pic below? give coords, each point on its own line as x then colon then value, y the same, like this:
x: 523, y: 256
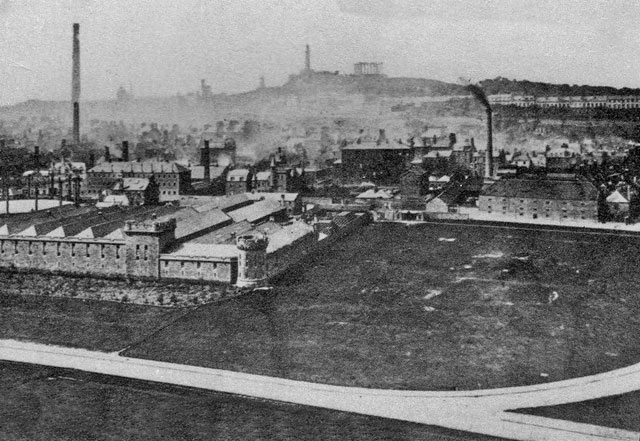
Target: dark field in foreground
x: 39, y: 403
x: 429, y: 307
x: 619, y: 412
x: 104, y: 326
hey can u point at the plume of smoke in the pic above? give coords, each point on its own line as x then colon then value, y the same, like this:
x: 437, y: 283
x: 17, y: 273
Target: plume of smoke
x: 480, y: 96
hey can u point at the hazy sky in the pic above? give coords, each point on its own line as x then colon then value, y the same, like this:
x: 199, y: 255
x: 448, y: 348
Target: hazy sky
x: 162, y: 47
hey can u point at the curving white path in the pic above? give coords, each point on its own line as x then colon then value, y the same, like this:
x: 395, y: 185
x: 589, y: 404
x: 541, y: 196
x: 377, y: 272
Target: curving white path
x: 482, y: 411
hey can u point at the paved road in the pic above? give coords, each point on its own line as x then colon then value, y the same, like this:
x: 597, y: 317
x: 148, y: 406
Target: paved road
x: 473, y: 411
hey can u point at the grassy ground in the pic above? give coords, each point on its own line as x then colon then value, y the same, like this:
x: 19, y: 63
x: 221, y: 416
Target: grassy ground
x: 104, y: 326
x: 619, y: 412
x: 39, y: 403
x: 429, y: 307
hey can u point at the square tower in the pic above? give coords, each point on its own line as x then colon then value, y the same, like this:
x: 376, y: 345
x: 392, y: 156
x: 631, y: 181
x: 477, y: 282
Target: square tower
x: 144, y: 241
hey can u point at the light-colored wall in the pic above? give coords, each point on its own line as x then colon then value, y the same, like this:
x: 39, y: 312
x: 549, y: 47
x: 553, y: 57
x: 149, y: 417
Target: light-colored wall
x: 543, y: 208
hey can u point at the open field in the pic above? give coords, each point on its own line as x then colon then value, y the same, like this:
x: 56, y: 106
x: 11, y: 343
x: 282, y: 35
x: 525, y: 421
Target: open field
x: 103, y: 326
x: 429, y: 307
x: 620, y: 411
x: 40, y: 403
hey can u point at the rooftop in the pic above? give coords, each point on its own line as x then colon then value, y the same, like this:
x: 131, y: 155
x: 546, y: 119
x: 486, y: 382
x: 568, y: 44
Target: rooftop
x: 256, y: 211
x: 192, y: 249
x: 190, y: 222
x: 226, y: 234
x: 272, y: 196
x: 287, y: 235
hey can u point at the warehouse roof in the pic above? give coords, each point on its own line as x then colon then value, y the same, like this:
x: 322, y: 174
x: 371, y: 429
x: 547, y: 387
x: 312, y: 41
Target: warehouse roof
x: 256, y: 211
x: 288, y: 235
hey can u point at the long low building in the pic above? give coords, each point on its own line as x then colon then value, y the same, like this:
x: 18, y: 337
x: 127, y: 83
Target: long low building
x: 158, y: 243
x: 555, y: 198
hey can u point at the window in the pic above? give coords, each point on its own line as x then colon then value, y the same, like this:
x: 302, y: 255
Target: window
x: 102, y: 251
x: 87, y: 251
x: 73, y: 250
x: 58, y: 249
x: 44, y: 249
x: 146, y: 248
x: 30, y: 252
x: 137, y: 252
x: 15, y: 247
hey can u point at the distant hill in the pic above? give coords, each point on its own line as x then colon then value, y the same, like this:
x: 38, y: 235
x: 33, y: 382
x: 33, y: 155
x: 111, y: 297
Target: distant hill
x: 502, y: 85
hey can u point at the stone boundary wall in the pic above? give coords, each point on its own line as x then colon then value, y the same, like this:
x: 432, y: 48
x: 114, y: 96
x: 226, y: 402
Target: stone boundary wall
x: 223, y: 270
x: 295, y: 254
x: 99, y: 257
x: 280, y: 260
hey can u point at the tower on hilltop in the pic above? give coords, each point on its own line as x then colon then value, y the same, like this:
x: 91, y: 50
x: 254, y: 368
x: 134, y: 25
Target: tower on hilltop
x: 252, y: 260
x: 307, y: 59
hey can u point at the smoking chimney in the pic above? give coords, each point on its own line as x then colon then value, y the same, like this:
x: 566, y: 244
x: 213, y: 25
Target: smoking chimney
x: 125, y: 151
x: 75, y: 84
x: 205, y: 161
x: 480, y: 96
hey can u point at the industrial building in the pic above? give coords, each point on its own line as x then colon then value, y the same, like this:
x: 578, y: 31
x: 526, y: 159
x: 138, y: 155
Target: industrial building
x: 553, y: 197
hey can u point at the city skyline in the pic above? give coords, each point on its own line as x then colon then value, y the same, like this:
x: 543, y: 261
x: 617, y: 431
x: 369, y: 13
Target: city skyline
x: 168, y: 49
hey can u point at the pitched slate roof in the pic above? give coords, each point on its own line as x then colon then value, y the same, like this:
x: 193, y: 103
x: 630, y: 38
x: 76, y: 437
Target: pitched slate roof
x: 239, y: 174
x: 224, y: 235
x: 287, y: 235
x: 190, y: 222
x: 224, y: 203
x: 617, y: 198
x: 543, y: 188
x: 191, y: 249
x: 256, y: 211
x: 263, y: 176
x: 273, y: 196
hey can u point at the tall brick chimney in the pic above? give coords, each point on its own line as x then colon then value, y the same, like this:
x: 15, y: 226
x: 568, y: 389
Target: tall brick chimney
x: 75, y: 84
x: 205, y: 159
x: 125, y: 151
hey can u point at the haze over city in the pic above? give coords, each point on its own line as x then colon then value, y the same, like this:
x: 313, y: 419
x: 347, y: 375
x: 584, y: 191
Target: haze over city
x: 166, y: 47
